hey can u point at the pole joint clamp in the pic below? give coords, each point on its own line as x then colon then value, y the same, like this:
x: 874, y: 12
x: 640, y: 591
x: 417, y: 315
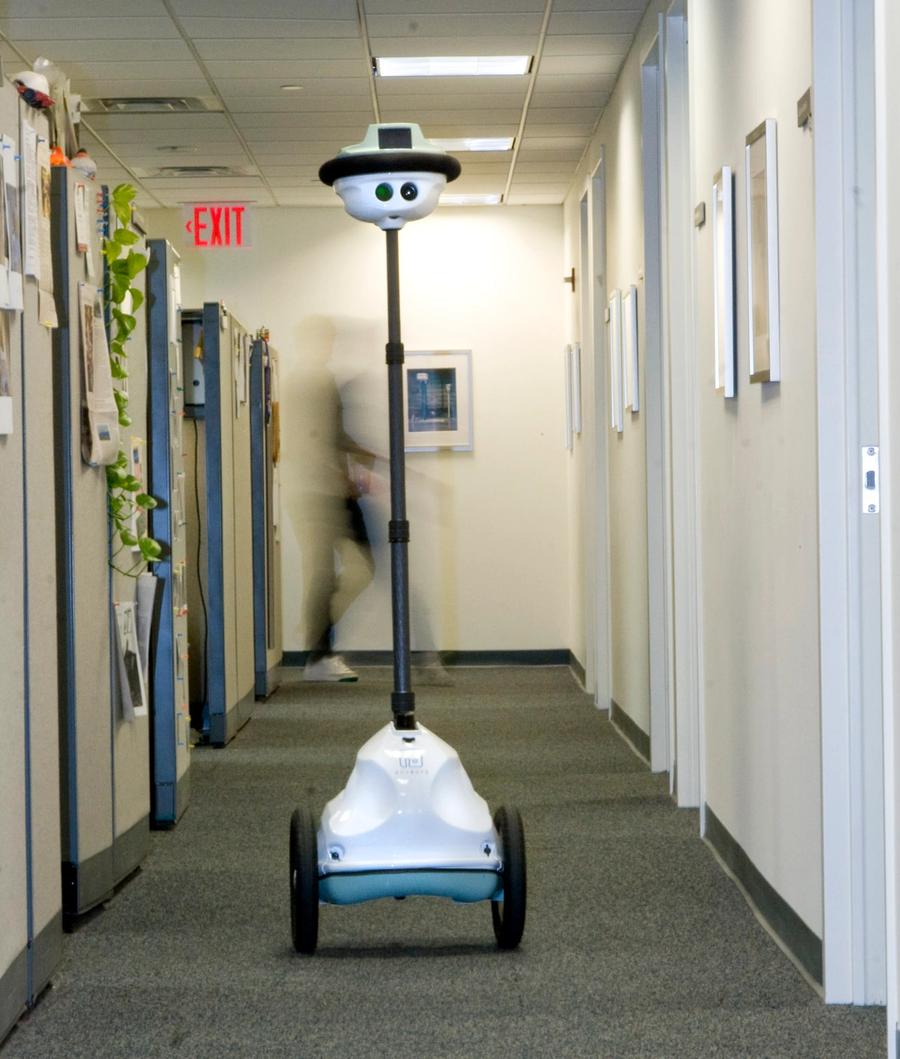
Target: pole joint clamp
x: 403, y: 702
x: 394, y: 352
x: 398, y: 531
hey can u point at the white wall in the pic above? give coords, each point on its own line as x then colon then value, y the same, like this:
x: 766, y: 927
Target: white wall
x: 489, y: 554
x: 757, y: 460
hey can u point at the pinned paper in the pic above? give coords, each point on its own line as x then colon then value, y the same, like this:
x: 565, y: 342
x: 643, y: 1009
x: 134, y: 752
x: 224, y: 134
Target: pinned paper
x: 12, y: 249
x: 132, y: 687
x: 82, y: 219
x: 100, y: 413
x: 6, y: 415
x: 29, y: 157
x: 46, y: 301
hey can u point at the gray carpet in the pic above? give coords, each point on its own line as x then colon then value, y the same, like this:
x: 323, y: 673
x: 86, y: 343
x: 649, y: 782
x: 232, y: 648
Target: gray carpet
x: 636, y: 942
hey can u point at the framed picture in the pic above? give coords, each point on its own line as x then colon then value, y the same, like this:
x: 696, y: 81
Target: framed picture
x: 437, y: 400
x: 616, y: 409
x: 723, y: 281
x: 632, y: 382
x: 132, y: 694
x: 567, y: 370
x: 575, y: 384
x: 761, y: 174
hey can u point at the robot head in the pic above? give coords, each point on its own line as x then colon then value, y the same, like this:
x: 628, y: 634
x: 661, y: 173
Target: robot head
x: 395, y: 175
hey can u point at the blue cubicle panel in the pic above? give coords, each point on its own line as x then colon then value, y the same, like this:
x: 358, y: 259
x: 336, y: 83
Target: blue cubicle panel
x: 169, y: 697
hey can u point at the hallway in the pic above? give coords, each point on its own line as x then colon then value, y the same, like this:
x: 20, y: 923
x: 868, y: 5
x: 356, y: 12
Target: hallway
x: 636, y: 941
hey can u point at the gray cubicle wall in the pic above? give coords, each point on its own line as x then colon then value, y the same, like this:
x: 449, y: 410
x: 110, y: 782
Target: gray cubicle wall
x: 14, y: 900
x: 267, y: 641
x: 42, y: 678
x: 220, y: 528
x: 131, y: 738
x: 170, y: 717
x: 104, y: 758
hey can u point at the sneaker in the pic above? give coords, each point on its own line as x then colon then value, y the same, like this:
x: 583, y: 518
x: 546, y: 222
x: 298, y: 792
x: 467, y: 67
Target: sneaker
x: 329, y: 668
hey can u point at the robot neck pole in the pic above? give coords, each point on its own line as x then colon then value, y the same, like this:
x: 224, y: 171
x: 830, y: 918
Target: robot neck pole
x: 403, y: 701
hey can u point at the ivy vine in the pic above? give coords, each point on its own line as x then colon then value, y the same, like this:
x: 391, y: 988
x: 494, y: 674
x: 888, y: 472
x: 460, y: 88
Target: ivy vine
x: 125, y: 493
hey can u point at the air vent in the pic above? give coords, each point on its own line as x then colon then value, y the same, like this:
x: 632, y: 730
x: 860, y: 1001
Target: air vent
x: 149, y: 105
x: 208, y: 172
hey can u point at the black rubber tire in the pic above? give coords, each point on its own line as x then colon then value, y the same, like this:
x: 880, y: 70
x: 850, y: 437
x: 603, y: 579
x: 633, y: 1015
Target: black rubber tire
x: 304, y: 878
x: 508, y: 915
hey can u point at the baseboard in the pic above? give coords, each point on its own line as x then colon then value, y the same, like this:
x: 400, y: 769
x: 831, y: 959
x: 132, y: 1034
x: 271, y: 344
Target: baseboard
x: 46, y: 953
x: 13, y: 990
x: 788, y: 927
x: 631, y: 731
x: 577, y: 669
x: 545, y: 657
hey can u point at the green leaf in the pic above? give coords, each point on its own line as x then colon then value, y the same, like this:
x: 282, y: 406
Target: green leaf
x: 124, y: 419
x: 121, y: 459
x: 137, y: 299
x: 136, y: 263
x: 125, y: 236
x: 123, y: 194
x: 117, y: 347
x: 126, y: 322
x: 113, y: 475
x: 111, y: 250
x: 119, y: 268
x: 131, y: 484
x: 145, y: 501
x: 117, y: 369
x: 121, y: 399
x: 150, y: 549
x: 127, y: 538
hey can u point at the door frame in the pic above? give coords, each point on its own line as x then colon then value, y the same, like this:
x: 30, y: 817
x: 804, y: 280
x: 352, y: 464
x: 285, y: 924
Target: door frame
x: 850, y: 633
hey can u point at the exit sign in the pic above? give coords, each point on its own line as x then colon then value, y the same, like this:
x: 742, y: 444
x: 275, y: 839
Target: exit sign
x: 217, y: 224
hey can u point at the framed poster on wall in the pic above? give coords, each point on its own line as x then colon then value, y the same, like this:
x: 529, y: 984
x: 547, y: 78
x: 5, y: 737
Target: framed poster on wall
x: 723, y: 281
x: 761, y: 178
x: 631, y: 379
x: 437, y: 400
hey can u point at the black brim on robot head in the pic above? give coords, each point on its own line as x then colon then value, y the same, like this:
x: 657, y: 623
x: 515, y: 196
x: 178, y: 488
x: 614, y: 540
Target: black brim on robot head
x: 403, y: 161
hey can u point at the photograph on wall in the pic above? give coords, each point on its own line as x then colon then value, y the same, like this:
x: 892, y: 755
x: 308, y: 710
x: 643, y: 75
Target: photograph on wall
x: 437, y: 400
x: 616, y: 409
x: 761, y: 179
x: 723, y: 281
x: 631, y: 382
x: 132, y: 693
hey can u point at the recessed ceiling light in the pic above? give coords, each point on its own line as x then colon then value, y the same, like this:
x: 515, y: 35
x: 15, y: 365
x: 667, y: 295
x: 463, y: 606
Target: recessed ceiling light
x: 453, y: 66
x: 292, y: 88
x: 476, y: 143
x: 471, y: 200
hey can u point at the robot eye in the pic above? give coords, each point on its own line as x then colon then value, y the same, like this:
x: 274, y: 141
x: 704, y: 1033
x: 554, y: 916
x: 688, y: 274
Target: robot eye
x: 384, y: 192
x: 409, y: 192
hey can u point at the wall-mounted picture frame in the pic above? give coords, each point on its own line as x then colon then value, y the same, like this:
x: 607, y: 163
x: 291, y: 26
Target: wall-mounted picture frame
x: 616, y: 408
x: 437, y: 400
x: 575, y: 377
x: 568, y: 436
x: 763, y: 308
x: 724, y: 367
x: 631, y: 380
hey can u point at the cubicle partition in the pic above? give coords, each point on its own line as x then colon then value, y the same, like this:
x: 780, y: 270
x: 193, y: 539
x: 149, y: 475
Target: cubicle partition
x: 216, y: 349
x: 30, y: 901
x: 264, y: 454
x: 169, y: 716
x: 14, y: 900
x: 104, y: 752
x: 41, y: 656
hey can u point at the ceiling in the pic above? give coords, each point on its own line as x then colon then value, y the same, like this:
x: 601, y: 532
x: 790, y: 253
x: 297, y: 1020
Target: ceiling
x: 236, y: 56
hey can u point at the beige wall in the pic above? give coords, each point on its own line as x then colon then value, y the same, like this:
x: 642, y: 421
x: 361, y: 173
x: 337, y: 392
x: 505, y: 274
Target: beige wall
x: 757, y: 458
x: 489, y: 548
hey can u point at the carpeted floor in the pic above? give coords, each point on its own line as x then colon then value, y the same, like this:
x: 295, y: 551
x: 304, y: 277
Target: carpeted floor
x: 636, y: 942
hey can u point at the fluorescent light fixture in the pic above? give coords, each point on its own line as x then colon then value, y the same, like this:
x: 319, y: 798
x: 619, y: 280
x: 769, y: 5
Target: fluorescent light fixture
x: 454, y: 66
x: 471, y: 200
x: 476, y: 143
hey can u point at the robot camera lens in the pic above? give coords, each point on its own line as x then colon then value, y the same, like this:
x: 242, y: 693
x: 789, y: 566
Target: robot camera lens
x: 409, y: 192
x: 384, y: 192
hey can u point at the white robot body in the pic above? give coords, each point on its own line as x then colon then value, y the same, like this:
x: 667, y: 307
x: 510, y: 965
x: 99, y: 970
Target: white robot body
x: 408, y: 822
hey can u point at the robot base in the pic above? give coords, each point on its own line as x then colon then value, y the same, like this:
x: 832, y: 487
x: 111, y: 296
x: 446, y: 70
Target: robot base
x: 408, y: 822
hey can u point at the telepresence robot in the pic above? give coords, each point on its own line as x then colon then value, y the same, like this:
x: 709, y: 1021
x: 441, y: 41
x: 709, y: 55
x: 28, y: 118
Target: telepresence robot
x: 409, y: 820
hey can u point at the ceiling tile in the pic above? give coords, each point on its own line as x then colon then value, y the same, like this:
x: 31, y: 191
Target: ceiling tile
x: 275, y: 28
x: 425, y: 115
x: 586, y: 23
x: 325, y: 10
x: 161, y: 86
x: 127, y: 71
x: 580, y: 64
x: 475, y: 24
x: 108, y: 28
x: 535, y: 199
x: 585, y: 116
x: 285, y: 69
x: 461, y: 44
x: 66, y: 52
x: 588, y: 44
x: 269, y: 49
x: 53, y: 10
x: 414, y: 8
x: 137, y: 125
